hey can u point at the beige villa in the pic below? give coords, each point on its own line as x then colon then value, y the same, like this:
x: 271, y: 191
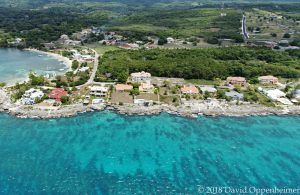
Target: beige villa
x: 140, y: 76
x: 268, y: 79
x: 146, y: 87
x: 236, y: 81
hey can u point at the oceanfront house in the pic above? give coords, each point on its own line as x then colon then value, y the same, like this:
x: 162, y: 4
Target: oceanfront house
x: 98, y: 101
x: 191, y: 89
x: 143, y: 102
x: 99, y: 91
x: 146, y: 87
x: 277, y: 95
x: 123, y: 87
x: 265, y: 80
x: 83, y: 69
x: 75, y: 54
x: 208, y: 88
x: 140, y: 76
x: 30, y: 96
x: 140, y: 102
x: 274, y: 94
x: 235, y: 95
x: 82, y: 58
x: 87, y: 58
x: 57, y: 94
x: 236, y: 81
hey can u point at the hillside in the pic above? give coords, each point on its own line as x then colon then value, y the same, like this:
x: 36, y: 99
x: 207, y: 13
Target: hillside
x: 39, y: 3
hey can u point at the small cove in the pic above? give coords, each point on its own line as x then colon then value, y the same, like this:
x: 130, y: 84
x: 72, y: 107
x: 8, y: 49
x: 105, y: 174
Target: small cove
x: 15, y: 65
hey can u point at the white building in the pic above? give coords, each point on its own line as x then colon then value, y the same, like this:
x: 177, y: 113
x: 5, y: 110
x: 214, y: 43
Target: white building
x: 170, y: 40
x: 208, y: 88
x: 87, y: 58
x: 140, y: 76
x: 30, y: 96
x: 98, y: 101
x: 76, y: 56
x: 275, y: 94
x: 83, y: 69
x: 139, y: 101
x: 99, y: 91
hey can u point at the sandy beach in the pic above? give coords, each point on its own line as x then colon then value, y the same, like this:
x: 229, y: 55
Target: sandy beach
x: 58, y: 57
x: 64, y: 60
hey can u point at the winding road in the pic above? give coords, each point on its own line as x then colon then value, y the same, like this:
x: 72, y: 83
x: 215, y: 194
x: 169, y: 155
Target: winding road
x: 94, y: 71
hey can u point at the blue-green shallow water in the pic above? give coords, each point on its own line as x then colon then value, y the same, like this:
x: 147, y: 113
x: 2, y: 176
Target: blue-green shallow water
x: 107, y: 153
x: 16, y: 64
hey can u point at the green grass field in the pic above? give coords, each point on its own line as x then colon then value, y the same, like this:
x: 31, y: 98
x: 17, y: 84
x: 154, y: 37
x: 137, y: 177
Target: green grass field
x: 101, y: 49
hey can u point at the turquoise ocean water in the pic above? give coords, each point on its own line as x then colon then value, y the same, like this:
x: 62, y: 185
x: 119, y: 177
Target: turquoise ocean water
x: 107, y: 153
x: 16, y: 64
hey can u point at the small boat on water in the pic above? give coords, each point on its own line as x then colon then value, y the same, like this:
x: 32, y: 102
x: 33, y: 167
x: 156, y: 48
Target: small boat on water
x: 40, y: 55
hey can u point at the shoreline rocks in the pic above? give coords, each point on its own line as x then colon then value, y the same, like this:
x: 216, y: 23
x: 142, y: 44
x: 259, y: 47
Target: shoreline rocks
x: 202, y: 109
x: 73, y: 110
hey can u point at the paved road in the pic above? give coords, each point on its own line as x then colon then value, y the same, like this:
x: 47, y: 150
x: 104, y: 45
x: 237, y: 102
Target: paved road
x: 245, y: 34
x: 93, y: 74
x: 96, y: 63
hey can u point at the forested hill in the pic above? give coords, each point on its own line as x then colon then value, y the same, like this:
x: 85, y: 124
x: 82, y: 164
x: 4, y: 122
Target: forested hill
x: 38, y: 3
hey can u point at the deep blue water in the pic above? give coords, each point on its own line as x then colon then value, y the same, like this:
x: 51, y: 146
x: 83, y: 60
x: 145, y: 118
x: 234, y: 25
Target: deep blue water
x: 107, y: 153
x: 16, y: 64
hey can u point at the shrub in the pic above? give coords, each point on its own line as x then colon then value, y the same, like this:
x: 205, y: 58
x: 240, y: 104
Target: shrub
x: 65, y: 99
x: 286, y: 36
x: 75, y: 64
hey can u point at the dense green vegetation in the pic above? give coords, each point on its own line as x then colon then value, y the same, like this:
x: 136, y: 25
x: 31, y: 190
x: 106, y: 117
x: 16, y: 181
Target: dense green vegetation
x: 207, y: 23
x: 45, y: 25
x: 153, y: 3
x: 161, y: 18
x: 40, y: 26
x: 201, y: 63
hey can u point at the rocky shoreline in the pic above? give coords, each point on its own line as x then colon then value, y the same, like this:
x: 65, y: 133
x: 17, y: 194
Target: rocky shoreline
x: 73, y: 110
x: 238, y: 110
x: 206, y: 109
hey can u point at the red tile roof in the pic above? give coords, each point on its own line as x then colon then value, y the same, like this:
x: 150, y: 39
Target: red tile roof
x: 57, y: 94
